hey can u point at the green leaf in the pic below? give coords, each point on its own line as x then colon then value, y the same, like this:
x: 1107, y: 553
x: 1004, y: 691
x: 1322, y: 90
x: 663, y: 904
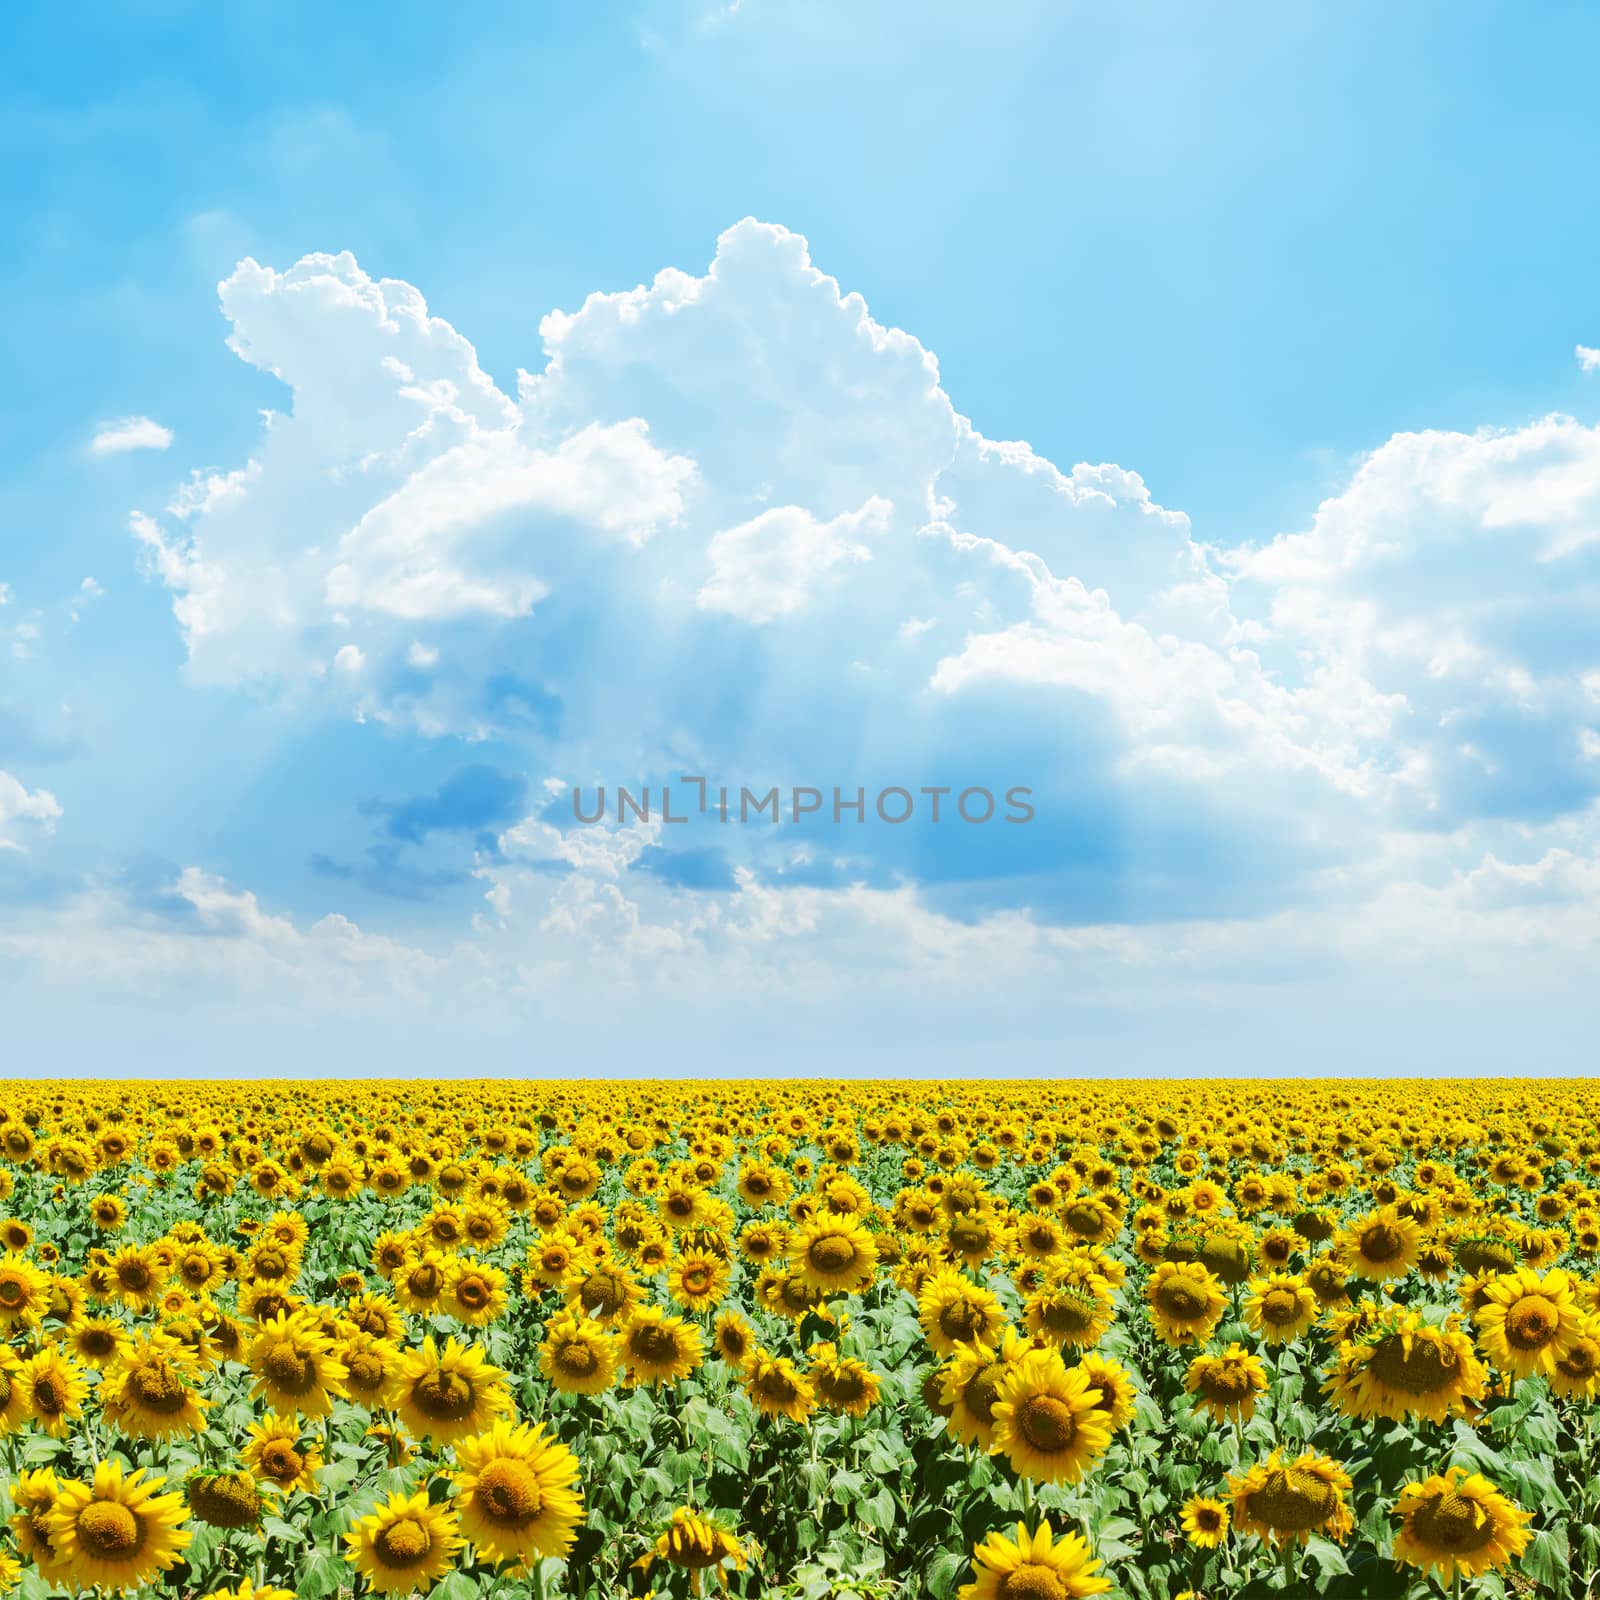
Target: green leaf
x: 1547, y: 1558
x: 880, y: 1511
x: 944, y: 1574
x: 1327, y: 1557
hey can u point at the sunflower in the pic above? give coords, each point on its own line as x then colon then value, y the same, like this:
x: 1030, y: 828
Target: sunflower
x: 578, y: 1356
x: 137, y: 1276
x: 406, y: 1544
x: 659, y: 1349
x: 274, y: 1453
x: 732, y: 1338
x: 833, y: 1253
x: 1576, y: 1375
x: 56, y: 1389
x: 117, y: 1532
x: 697, y: 1280
x: 1048, y: 1420
x: 225, y: 1499
x: 1458, y: 1524
x: 1527, y: 1322
x: 1186, y: 1302
x: 697, y: 1544
x: 1280, y: 1307
x: 1401, y: 1367
x: 786, y: 1294
x: 450, y: 1394
x: 1115, y: 1383
x: 296, y: 1370
x: 1073, y: 1313
x: 1382, y: 1244
x: 245, y: 1589
x: 24, y: 1291
x: 844, y: 1385
x: 776, y: 1387
x: 369, y: 1367
x: 1033, y: 1565
x: 953, y: 1310
x: 1205, y: 1521
x: 516, y: 1492
x: 1288, y: 1503
x: 15, y: 1407
x: 476, y: 1293
x: 605, y: 1292
x: 34, y: 1494
x: 147, y: 1392
x: 1226, y: 1386
x: 390, y: 1252
x: 377, y: 1315
x: 420, y: 1284
x: 969, y: 1386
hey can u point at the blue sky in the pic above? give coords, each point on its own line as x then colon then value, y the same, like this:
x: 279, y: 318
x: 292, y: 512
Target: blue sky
x: 1286, y: 611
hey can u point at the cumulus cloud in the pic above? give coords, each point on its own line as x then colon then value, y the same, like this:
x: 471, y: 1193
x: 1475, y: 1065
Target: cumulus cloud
x: 1588, y: 358
x: 129, y: 433
x: 730, y: 524
x: 21, y: 805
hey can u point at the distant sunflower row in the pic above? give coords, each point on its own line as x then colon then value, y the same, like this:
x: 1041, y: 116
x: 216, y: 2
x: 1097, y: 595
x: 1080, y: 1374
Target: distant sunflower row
x: 430, y: 1297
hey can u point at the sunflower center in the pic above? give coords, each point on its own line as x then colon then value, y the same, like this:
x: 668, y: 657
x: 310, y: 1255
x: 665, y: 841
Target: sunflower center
x: 1046, y: 1423
x: 1083, y: 1218
x: 1031, y: 1581
x: 777, y: 1387
x: 1381, y: 1242
x: 844, y: 1386
x: 1581, y: 1361
x: 697, y: 1280
x: 403, y: 1544
x: 602, y: 1292
x: 47, y: 1394
x: 133, y: 1275
x: 1454, y: 1523
x: 1280, y: 1307
x: 425, y: 1282
x: 283, y: 1463
x: 509, y: 1492
x: 577, y: 1359
x: 158, y: 1388
x: 960, y: 1320
x: 473, y: 1293
x: 1292, y: 1500
x: 445, y: 1396
x: 1532, y: 1323
x: 653, y: 1342
x: 108, y: 1530
x: 366, y: 1371
x: 1426, y: 1369
x: 1208, y: 1519
x: 1226, y: 1385
x: 1181, y: 1302
x: 289, y: 1367
x: 832, y: 1254
x: 984, y: 1389
x: 5, y: 1391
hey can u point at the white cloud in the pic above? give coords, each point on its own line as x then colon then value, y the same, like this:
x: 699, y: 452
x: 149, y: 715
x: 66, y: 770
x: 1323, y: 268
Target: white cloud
x: 734, y: 525
x: 19, y: 804
x: 773, y: 565
x: 129, y: 433
x: 1588, y: 358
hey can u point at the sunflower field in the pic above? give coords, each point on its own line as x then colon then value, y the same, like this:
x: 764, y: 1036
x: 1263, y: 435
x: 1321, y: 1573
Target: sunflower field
x: 986, y: 1340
